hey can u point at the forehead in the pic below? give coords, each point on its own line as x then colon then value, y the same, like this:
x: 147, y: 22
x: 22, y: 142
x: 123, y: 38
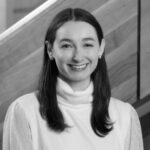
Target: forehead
x: 76, y: 30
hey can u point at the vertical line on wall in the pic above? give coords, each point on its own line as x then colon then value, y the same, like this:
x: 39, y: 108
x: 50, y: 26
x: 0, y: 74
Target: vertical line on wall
x: 139, y: 50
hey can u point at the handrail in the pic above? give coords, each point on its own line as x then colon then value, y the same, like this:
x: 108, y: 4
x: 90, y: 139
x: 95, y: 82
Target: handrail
x: 47, y: 4
x: 26, y: 19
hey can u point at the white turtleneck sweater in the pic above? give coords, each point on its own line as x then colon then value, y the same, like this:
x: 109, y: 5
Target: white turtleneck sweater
x: 25, y: 129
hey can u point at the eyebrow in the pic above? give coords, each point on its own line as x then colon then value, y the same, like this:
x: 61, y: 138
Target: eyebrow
x: 84, y: 39
x: 65, y: 40
x: 88, y: 39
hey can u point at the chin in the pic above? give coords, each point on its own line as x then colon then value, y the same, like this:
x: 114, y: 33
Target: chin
x: 79, y: 79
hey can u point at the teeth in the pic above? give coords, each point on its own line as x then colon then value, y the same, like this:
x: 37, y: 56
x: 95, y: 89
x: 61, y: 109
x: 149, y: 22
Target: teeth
x: 78, y: 66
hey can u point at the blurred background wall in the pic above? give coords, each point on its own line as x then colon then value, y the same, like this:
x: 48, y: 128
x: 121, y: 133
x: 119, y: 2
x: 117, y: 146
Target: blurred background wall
x: 21, y: 51
x: 3, y: 15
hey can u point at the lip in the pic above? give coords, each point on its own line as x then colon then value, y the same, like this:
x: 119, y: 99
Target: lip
x: 78, y: 67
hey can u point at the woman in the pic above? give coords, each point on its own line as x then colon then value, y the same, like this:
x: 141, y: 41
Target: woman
x: 73, y: 108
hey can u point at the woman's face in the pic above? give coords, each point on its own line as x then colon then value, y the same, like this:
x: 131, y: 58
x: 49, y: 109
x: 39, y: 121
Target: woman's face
x: 75, y: 51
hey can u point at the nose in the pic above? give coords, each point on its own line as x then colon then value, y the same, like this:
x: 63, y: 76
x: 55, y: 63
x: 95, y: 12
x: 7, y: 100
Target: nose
x: 78, y: 55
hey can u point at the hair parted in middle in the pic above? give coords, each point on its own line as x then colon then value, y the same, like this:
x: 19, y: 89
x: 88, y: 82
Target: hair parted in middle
x: 49, y: 109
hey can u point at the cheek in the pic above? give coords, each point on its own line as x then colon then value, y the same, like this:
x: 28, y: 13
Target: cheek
x: 61, y: 60
x: 93, y: 52
x: 60, y: 65
x: 93, y: 55
x: 94, y: 59
x: 95, y: 62
x: 63, y: 57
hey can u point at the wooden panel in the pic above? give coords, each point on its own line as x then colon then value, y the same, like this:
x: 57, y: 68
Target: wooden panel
x: 115, y: 13
x: 122, y: 60
x: 21, y: 76
x: 27, y: 3
x: 145, y: 48
x: 23, y: 7
x: 118, y: 36
x: 122, y: 91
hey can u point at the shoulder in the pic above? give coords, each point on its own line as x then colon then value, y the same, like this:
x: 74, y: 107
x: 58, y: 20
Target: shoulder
x: 26, y: 104
x: 20, y: 117
x: 121, y: 112
x: 120, y: 106
x: 28, y: 100
x: 126, y: 123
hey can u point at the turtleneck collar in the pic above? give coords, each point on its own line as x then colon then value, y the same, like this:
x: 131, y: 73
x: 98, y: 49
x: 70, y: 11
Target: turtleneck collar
x: 67, y: 96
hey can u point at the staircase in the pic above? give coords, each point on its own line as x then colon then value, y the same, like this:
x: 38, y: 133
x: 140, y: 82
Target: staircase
x: 21, y: 49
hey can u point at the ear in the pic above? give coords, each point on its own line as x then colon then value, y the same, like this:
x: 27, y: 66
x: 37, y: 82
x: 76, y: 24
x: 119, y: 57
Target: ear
x: 102, y: 47
x: 49, y: 50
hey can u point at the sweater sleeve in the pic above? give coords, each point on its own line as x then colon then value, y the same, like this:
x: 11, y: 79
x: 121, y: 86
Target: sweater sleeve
x: 134, y: 139
x: 16, y: 131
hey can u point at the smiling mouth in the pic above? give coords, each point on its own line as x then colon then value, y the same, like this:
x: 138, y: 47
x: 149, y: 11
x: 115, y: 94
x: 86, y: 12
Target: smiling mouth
x: 78, y: 67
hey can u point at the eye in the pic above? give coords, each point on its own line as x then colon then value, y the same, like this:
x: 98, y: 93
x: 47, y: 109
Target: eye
x: 88, y: 45
x: 66, y: 46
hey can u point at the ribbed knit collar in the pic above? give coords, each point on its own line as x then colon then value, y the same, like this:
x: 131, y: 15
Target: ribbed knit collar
x: 67, y: 96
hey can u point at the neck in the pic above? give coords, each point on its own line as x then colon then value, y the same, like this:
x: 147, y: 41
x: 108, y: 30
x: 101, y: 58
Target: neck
x: 77, y: 99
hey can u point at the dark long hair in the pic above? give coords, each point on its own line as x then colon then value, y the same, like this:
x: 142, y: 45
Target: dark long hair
x: 49, y: 109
